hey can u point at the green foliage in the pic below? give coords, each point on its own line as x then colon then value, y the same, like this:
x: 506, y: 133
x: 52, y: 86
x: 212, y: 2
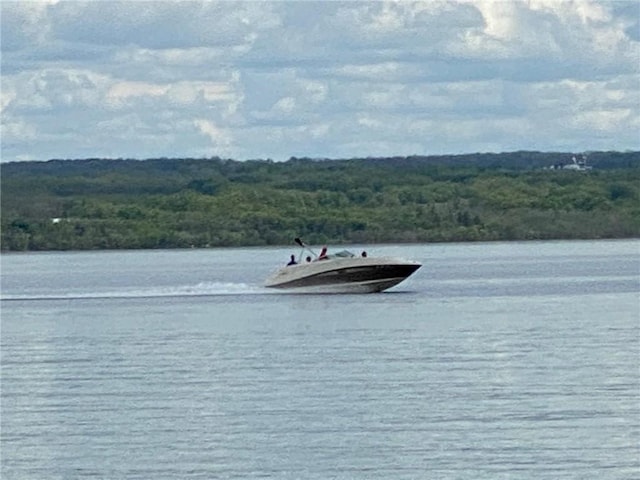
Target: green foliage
x: 167, y: 203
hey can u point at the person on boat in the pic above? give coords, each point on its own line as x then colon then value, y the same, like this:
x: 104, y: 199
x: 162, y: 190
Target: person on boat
x: 292, y: 261
x: 323, y: 254
x: 364, y: 254
x: 308, y: 259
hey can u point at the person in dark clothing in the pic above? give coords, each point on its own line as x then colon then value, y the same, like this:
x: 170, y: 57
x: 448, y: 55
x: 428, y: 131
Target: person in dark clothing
x: 292, y: 261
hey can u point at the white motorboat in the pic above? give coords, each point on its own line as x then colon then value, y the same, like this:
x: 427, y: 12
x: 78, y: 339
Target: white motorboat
x: 342, y: 272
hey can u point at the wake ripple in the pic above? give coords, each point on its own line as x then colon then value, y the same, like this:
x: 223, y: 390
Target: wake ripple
x: 203, y: 289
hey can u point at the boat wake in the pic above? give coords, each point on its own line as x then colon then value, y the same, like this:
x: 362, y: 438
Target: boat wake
x: 204, y: 289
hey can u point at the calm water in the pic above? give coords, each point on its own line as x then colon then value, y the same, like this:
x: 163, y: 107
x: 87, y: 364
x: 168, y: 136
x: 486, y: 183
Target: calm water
x: 506, y: 360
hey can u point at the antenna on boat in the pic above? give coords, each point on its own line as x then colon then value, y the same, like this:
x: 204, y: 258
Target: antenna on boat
x: 304, y: 246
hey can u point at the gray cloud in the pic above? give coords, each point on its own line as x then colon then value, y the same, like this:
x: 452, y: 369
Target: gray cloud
x: 320, y: 79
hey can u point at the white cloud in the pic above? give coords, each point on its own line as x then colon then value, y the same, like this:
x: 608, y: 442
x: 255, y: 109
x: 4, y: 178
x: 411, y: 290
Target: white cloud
x: 276, y: 79
x: 24, y: 24
x: 219, y: 137
x: 17, y: 130
x: 285, y: 105
x: 7, y: 96
x: 120, y: 92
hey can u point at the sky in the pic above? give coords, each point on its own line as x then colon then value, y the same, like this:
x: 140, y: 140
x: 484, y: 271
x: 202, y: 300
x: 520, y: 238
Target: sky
x: 318, y: 79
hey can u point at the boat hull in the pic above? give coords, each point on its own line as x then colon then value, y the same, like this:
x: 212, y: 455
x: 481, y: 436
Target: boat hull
x: 358, y: 275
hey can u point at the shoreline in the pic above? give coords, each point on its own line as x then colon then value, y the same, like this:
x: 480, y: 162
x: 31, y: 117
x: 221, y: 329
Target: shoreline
x: 331, y: 244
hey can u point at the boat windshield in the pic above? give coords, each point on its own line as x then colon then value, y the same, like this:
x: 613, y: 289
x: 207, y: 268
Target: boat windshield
x: 342, y: 254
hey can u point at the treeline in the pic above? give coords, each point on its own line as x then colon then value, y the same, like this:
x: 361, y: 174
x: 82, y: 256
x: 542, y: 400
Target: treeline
x: 168, y: 203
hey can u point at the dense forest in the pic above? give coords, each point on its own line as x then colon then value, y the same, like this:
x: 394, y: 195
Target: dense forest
x: 168, y: 203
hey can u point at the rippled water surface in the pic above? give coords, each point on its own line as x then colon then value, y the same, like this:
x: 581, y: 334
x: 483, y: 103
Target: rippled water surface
x: 505, y: 360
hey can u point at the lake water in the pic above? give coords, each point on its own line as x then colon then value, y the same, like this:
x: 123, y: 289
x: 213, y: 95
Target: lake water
x: 498, y: 360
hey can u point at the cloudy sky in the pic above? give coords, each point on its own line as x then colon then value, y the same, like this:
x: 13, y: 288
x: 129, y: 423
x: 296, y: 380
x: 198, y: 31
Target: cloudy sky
x: 325, y: 79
